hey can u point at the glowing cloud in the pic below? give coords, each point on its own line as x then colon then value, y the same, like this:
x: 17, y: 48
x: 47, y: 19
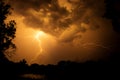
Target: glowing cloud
x: 39, y: 34
x: 53, y: 30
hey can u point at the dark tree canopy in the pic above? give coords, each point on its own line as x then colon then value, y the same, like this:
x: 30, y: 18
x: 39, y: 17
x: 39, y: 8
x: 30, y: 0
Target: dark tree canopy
x: 7, y: 30
x: 113, y: 12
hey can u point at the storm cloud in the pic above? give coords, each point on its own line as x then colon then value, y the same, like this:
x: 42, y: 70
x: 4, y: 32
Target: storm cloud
x: 55, y: 18
x: 78, y: 29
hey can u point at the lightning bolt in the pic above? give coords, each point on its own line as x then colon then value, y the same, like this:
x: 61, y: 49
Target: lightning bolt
x: 85, y: 45
x: 37, y: 37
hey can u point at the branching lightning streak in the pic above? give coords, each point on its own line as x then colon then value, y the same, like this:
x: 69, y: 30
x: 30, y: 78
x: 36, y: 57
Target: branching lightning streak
x: 85, y: 45
x: 37, y: 37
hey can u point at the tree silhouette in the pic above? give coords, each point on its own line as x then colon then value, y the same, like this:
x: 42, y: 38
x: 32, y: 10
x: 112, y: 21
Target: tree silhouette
x: 7, y: 30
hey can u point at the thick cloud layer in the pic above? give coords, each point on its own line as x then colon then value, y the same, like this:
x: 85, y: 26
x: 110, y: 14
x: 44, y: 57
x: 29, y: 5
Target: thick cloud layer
x: 55, y: 18
x: 78, y: 27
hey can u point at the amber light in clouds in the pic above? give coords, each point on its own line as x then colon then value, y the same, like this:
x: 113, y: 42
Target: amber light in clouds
x: 49, y: 31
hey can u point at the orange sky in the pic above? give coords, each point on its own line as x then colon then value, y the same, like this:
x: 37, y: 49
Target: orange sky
x: 77, y: 41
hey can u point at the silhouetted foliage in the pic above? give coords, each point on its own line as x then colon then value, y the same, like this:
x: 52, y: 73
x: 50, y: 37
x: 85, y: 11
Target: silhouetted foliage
x: 7, y: 34
x: 23, y: 62
x: 113, y: 12
x: 64, y: 70
x: 7, y: 30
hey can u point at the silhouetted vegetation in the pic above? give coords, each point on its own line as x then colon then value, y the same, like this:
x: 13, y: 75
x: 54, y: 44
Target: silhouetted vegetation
x: 113, y: 13
x: 64, y: 70
x: 7, y: 30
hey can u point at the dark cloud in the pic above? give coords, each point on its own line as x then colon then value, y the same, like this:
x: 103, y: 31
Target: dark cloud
x: 36, y: 12
x: 72, y: 26
x: 57, y: 20
x: 22, y: 5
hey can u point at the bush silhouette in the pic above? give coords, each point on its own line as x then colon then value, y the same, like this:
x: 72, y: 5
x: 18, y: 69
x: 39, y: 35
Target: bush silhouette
x: 7, y: 30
